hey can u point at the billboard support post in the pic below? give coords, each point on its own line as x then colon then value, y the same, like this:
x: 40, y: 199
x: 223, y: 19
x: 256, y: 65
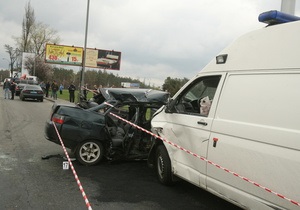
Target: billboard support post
x: 85, y: 43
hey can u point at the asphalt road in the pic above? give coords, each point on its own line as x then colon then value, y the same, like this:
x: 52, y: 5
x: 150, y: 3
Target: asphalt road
x: 28, y: 182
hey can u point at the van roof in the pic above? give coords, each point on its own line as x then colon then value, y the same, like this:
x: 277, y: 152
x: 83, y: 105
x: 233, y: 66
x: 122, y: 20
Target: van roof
x: 272, y: 47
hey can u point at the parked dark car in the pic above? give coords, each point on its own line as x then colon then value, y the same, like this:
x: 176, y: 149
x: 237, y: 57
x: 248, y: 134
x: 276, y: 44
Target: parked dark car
x: 32, y: 92
x: 94, y: 133
x: 19, y: 88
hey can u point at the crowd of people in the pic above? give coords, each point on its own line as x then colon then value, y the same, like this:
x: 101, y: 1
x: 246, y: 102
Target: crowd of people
x: 50, y: 90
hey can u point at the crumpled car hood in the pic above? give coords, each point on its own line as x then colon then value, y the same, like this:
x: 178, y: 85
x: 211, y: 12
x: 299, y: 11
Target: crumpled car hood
x: 135, y: 95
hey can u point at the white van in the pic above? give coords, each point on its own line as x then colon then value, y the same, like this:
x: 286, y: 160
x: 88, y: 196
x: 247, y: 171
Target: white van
x: 241, y: 115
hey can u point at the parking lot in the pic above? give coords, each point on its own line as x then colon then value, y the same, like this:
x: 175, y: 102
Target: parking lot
x: 29, y: 182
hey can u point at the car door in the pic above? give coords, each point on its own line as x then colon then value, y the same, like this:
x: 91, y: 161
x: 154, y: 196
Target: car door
x: 189, y: 127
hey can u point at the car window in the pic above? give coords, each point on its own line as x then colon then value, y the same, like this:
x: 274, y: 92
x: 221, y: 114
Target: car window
x: 82, y: 115
x: 198, y: 96
x: 104, y: 107
x: 32, y: 87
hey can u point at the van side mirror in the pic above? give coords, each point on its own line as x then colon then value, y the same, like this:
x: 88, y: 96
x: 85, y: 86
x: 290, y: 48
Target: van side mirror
x: 170, y: 106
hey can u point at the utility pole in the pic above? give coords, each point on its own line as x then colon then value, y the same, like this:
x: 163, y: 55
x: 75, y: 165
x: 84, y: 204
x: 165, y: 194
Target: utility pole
x: 85, y: 43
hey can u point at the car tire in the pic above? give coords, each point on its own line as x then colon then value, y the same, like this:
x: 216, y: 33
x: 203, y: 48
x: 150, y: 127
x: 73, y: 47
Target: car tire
x: 163, y: 166
x: 89, y: 152
x: 42, y: 99
x: 22, y: 98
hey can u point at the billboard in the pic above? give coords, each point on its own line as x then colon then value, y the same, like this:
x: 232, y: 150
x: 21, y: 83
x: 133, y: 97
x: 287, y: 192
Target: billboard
x: 64, y: 55
x: 106, y: 59
x: 130, y: 85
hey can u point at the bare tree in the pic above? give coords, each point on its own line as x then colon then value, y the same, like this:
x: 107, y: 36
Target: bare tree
x: 35, y: 35
x: 33, y: 39
x: 41, y: 34
x: 13, y: 56
x: 24, y: 41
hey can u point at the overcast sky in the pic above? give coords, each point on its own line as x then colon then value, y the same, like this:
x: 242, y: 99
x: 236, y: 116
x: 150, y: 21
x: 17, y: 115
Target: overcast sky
x: 157, y: 38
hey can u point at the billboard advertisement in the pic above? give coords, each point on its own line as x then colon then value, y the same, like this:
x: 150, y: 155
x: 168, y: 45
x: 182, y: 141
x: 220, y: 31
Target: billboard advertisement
x: 130, y: 85
x: 64, y: 55
x: 105, y: 59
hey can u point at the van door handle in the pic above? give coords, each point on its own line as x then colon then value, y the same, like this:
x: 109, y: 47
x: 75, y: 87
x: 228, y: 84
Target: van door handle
x: 202, y: 123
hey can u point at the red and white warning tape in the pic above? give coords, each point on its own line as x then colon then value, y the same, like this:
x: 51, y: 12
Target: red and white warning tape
x: 208, y: 161
x: 88, y: 205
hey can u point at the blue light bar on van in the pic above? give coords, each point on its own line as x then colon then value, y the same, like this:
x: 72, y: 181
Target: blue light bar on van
x: 275, y: 17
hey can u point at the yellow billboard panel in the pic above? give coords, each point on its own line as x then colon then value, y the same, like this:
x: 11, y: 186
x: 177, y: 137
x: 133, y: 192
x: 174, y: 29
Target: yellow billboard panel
x: 91, y: 58
x: 64, y: 55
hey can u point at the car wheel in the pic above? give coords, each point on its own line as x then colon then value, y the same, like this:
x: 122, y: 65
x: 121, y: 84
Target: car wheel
x: 89, y: 152
x: 42, y: 99
x: 163, y: 166
x: 22, y: 98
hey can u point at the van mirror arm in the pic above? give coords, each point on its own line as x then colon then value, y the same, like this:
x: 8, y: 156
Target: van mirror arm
x: 170, y: 106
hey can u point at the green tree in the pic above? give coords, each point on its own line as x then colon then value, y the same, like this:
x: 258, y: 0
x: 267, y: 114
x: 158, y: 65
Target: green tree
x: 173, y: 85
x: 3, y: 74
x: 63, y: 76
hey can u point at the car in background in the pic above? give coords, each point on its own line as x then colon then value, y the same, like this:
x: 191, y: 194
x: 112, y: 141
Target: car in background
x: 95, y: 133
x: 28, y: 81
x: 32, y: 92
x: 19, y: 88
x: 16, y: 80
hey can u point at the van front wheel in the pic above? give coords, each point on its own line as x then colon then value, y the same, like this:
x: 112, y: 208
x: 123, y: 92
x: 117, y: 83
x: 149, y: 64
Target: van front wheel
x: 163, y: 166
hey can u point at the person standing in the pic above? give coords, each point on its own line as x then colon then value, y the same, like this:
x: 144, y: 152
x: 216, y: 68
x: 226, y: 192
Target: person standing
x: 99, y: 89
x: 6, y: 88
x: 72, y: 89
x: 61, y: 87
x: 47, y: 88
x: 43, y: 86
x: 85, y: 91
x: 95, y: 90
x: 12, y: 89
x: 54, y: 88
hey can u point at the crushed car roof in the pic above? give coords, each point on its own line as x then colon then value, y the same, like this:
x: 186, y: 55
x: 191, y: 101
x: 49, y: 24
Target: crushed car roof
x: 135, y: 95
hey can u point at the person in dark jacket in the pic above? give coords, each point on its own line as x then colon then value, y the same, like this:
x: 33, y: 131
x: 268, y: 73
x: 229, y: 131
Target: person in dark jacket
x: 6, y: 88
x: 54, y: 88
x: 13, y: 89
x: 85, y: 92
x: 72, y: 89
x: 47, y: 89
